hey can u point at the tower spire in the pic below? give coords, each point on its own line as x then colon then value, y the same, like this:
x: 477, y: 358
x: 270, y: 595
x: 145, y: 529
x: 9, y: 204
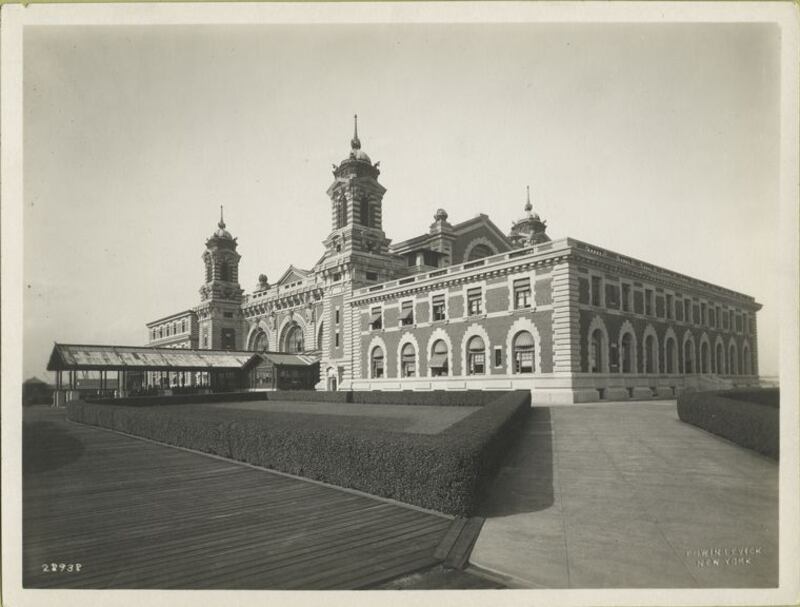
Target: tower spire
x: 221, y: 223
x: 528, y: 205
x: 355, y: 143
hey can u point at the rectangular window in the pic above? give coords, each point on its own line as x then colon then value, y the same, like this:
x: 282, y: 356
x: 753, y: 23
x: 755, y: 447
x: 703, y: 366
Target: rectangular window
x: 474, y: 301
x: 407, y: 313
x: 336, y: 316
x: 696, y: 314
x: 612, y: 297
x: 738, y: 323
x: 336, y: 339
x: 376, y: 318
x: 669, y: 306
x: 626, y: 297
x: 597, y: 283
x: 648, y: 302
x: 703, y: 314
x: 498, y: 356
x: 522, y: 293
x: 438, y: 307
x: 726, y: 320
x: 228, y: 339
x: 337, y: 277
x: 364, y: 212
x: 687, y: 309
x: 228, y: 314
x: 718, y: 317
x: 372, y: 276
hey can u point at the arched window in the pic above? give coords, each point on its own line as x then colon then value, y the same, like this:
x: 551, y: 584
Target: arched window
x: 293, y: 341
x: 597, y: 351
x: 224, y: 271
x: 671, y: 355
x: 651, y: 354
x: 261, y: 342
x: 408, y: 361
x: 480, y: 251
x: 747, y: 361
x: 476, y: 356
x: 439, y: 364
x: 523, y: 349
x: 627, y: 354
x: 376, y: 362
x: 733, y: 368
x: 705, y: 358
x: 688, y: 356
x: 720, y: 359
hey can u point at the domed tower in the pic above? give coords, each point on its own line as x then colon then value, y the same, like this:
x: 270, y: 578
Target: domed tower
x: 530, y: 229
x: 356, y: 255
x: 219, y: 313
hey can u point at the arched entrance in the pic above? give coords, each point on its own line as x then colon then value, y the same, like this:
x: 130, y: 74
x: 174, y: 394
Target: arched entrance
x: 332, y: 379
x: 292, y: 341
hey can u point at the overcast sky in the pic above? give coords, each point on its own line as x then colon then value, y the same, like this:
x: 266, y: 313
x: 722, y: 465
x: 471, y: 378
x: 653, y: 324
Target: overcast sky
x: 656, y: 141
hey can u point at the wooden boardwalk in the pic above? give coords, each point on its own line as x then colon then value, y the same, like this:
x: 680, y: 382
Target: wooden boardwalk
x: 136, y: 514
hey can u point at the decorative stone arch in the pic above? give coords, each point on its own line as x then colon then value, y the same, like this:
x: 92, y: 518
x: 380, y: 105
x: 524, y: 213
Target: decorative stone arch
x: 320, y: 329
x: 733, y: 369
x: 287, y: 322
x: 259, y: 327
x: 377, y: 342
x: 649, y: 331
x: 705, y: 359
x: 597, y: 324
x: 438, y: 334
x: 480, y: 240
x: 406, y: 338
x: 746, y: 367
x: 476, y: 329
x: 670, y: 336
x: 689, y: 338
x: 720, y: 356
x: 521, y: 324
x: 627, y: 329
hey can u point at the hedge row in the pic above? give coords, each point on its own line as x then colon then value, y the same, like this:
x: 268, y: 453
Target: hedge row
x: 444, y: 472
x: 441, y: 398
x: 752, y: 424
x: 182, y: 399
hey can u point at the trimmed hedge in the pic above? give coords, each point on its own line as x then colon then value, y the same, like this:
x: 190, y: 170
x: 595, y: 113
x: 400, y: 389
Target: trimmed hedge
x: 181, y: 399
x: 749, y: 418
x: 444, y: 472
x: 440, y: 398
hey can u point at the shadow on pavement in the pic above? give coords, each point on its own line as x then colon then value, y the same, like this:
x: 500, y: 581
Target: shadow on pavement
x: 46, y: 446
x: 524, y: 482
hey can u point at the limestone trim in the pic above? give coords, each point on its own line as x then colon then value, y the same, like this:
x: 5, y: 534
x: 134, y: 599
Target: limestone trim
x: 597, y: 323
x: 377, y: 342
x: 407, y: 338
x: 436, y: 335
x: 627, y: 329
x: 472, y: 331
x: 523, y: 324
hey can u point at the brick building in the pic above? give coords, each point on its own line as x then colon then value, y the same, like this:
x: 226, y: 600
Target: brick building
x: 466, y: 305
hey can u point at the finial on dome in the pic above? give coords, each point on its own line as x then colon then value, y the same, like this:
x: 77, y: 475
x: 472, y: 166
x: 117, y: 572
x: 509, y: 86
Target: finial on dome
x: 355, y: 143
x: 528, y: 205
x: 221, y: 223
x: 441, y: 215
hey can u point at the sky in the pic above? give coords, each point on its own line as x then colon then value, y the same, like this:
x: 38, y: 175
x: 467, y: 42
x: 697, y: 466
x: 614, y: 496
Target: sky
x: 658, y: 141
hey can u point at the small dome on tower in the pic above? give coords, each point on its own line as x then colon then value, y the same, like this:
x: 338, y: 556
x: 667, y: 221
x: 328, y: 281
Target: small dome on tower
x: 221, y: 231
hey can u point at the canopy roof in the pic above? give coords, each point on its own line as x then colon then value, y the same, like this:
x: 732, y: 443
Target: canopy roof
x: 115, y: 358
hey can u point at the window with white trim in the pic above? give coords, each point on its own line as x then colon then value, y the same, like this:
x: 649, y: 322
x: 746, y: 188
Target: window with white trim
x: 476, y: 356
x: 523, y: 348
x: 376, y: 362
x: 438, y: 305
x: 439, y: 363
x: 474, y: 303
x: 522, y: 293
x: 376, y: 318
x: 408, y: 361
x: 407, y: 313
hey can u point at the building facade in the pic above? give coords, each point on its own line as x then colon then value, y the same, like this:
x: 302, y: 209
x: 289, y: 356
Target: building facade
x: 466, y: 305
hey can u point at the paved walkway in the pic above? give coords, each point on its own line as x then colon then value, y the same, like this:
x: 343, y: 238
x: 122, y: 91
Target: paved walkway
x: 626, y: 495
x: 135, y: 514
